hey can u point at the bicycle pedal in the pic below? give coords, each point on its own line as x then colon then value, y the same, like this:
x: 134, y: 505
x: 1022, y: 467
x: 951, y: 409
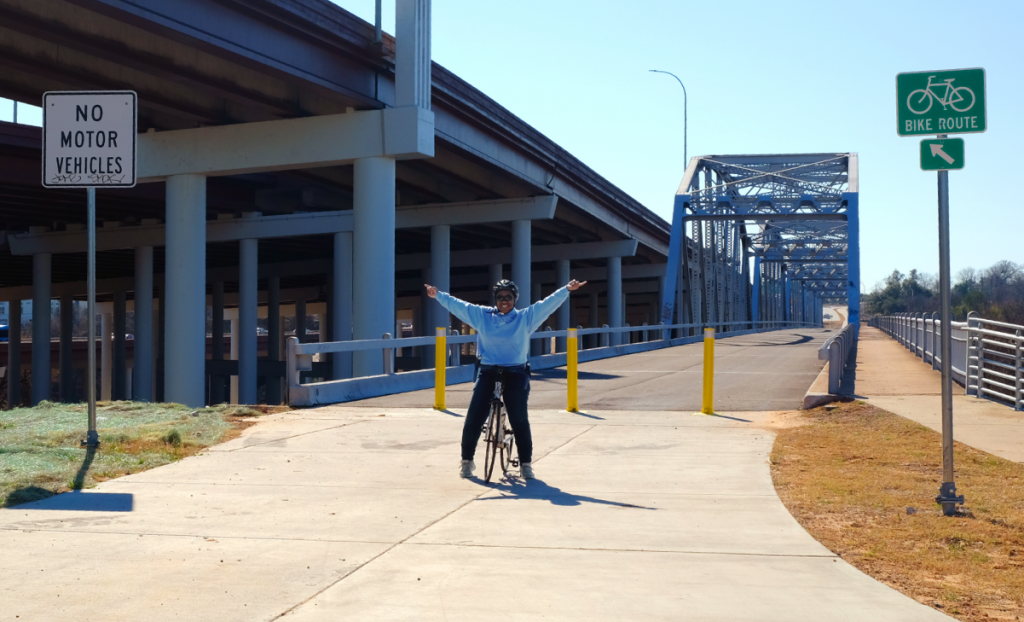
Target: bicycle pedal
x: 514, y: 462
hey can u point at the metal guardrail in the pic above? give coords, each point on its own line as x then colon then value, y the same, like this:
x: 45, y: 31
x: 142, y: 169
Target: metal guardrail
x: 988, y: 356
x: 838, y: 350
x: 299, y: 356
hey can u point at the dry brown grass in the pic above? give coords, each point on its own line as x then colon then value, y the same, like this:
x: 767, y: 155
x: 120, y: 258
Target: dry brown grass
x: 849, y: 477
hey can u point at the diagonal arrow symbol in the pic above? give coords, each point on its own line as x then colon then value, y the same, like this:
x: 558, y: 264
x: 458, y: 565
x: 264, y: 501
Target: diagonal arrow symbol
x: 937, y: 151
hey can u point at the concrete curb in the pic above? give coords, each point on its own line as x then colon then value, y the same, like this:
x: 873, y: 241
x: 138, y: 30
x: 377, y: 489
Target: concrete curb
x: 814, y: 396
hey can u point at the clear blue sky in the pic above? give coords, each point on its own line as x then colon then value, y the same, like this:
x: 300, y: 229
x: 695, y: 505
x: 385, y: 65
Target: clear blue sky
x: 762, y: 78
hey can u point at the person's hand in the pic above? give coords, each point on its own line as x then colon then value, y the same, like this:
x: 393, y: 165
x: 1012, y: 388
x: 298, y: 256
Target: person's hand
x: 431, y: 290
x: 574, y: 285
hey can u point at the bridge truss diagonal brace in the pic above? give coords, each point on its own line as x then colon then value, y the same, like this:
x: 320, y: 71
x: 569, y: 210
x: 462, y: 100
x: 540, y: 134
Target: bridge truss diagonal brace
x: 327, y: 140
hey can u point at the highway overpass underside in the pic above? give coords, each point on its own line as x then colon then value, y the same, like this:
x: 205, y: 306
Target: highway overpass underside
x: 266, y: 190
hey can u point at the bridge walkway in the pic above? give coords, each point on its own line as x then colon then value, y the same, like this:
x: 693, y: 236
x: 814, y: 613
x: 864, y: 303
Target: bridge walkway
x: 767, y: 371
x: 892, y: 378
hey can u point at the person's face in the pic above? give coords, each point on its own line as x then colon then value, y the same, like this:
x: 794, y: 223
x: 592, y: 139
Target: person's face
x: 505, y: 301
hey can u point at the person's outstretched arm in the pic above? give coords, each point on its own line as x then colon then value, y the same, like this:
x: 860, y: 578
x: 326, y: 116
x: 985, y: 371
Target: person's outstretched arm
x: 467, y: 312
x: 542, y: 309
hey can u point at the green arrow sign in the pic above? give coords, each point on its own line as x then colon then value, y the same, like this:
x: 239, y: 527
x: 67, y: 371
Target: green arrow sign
x: 941, y: 102
x: 942, y: 154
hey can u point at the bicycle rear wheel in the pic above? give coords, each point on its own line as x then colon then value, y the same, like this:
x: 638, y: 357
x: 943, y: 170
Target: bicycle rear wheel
x: 492, y: 441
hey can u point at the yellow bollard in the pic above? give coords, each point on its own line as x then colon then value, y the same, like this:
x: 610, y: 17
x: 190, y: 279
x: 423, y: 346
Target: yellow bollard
x: 571, y: 359
x: 440, y: 361
x: 709, y: 371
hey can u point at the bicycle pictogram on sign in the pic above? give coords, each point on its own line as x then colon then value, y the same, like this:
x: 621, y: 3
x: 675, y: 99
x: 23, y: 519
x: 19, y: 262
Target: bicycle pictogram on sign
x: 960, y: 99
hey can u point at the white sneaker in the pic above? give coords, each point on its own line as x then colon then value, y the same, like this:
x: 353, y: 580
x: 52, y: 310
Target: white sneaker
x: 467, y: 468
x: 526, y: 469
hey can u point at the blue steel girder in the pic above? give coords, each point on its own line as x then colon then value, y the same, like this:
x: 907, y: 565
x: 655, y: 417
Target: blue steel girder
x: 799, y: 211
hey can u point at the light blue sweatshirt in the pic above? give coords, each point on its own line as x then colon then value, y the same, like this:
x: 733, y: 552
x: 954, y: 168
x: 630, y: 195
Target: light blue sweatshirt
x: 504, y: 339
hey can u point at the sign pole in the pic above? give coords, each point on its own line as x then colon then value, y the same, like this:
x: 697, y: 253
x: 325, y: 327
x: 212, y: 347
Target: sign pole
x: 92, y: 439
x: 947, y: 497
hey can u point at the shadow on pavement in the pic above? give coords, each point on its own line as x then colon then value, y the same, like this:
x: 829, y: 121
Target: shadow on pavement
x: 515, y: 488
x: 35, y: 498
x: 726, y: 417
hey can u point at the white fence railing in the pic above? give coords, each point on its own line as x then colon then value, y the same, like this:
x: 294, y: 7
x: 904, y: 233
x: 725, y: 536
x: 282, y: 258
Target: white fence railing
x: 987, y: 356
x: 612, y: 342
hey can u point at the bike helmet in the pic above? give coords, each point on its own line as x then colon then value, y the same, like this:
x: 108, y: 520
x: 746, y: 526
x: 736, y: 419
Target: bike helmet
x: 505, y: 285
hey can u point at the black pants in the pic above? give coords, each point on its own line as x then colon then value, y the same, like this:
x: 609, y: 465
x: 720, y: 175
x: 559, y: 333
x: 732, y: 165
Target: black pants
x: 516, y: 394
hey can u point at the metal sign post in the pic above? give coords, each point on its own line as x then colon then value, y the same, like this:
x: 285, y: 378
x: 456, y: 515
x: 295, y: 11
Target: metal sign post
x: 89, y: 142
x: 942, y: 103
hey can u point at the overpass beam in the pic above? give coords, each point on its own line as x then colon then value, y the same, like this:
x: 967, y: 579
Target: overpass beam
x: 185, y: 287
x: 41, y: 270
x: 373, y: 258
x: 142, y: 374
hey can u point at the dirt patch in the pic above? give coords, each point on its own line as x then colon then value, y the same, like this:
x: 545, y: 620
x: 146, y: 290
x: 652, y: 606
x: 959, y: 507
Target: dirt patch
x: 776, y: 420
x: 863, y: 482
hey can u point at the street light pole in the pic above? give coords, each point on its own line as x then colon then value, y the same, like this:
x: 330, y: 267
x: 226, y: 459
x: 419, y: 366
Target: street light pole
x: 686, y: 161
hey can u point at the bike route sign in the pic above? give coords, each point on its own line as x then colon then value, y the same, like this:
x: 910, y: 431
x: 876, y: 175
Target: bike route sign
x: 942, y: 154
x: 89, y: 139
x: 941, y: 102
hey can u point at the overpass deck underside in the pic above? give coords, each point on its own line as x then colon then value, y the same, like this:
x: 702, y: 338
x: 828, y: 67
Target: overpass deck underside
x: 768, y: 371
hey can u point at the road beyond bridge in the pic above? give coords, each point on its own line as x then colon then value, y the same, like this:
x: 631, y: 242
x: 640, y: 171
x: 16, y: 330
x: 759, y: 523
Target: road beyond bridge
x: 766, y: 371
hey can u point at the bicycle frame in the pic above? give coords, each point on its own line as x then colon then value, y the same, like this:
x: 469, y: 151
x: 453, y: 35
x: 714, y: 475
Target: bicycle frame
x: 945, y: 100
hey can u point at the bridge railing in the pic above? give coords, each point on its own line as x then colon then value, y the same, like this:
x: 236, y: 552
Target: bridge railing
x: 987, y: 356
x: 613, y: 342
x: 839, y: 350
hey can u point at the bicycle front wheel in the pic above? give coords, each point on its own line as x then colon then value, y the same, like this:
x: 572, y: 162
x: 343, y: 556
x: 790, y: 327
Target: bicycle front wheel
x: 493, y: 439
x: 919, y: 101
x: 509, y: 440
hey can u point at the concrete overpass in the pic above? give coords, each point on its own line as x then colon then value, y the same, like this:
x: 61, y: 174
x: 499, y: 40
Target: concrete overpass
x: 290, y: 157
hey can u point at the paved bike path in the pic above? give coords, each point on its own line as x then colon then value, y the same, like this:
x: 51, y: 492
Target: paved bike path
x: 344, y: 513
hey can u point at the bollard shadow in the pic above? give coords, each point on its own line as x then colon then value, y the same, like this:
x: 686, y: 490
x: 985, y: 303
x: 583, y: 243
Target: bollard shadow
x: 448, y: 412
x: 36, y: 498
x: 513, y: 488
x: 583, y: 414
x: 725, y: 417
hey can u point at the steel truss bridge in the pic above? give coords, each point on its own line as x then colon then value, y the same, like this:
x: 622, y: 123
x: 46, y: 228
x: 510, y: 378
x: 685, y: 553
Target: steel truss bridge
x: 764, y: 238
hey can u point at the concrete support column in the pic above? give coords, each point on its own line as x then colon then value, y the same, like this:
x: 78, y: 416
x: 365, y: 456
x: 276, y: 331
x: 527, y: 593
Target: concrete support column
x: 233, y: 352
x: 495, y: 272
x: 521, y: 261
x: 248, y: 266
x: 615, y: 300
x: 535, y: 295
x: 373, y: 215
x: 142, y: 375
x: 106, y: 356
x: 341, y: 310
x: 41, y: 264
x: 562, y: 314
x: 274, y: 337
x: 14, y: 354
x: 218, y: 384
x: 300, y: 320
x: 159, y: 342
x: 184, y: 299
x: 594, y: 318
x: 119, y: 377
x: 440, y: 271
x: 426, y: 321
x: 67, y: 368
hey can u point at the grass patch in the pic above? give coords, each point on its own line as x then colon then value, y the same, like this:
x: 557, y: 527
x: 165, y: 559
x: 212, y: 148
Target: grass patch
x: 41, y: 453
x: 850, y: 475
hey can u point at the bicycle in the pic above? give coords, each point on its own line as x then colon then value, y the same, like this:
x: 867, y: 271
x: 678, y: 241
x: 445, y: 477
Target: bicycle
x: 953, y: 96
x: 498, y: 434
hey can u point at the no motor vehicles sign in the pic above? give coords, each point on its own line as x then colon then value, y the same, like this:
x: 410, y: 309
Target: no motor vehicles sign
x: 89, y: 139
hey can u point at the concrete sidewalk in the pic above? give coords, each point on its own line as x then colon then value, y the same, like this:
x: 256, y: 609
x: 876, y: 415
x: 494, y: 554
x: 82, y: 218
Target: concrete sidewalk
x: 344, y: 513
x: 892, y: 378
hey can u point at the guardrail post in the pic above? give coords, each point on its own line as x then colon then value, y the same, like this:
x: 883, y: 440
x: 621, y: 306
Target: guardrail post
x: 545, y: 343
x: 974, y: 347
x: 604, y: 337
x: 456, y: 350
x: 440, y: 358
x: 709, y: 372
x: 1019, y: 364
x: 628, y: 336
x: 389, y: 362
x: 646, y: 332
x: 935, y: 341
x: 835, y: 365
x: 291, y: 362
x: 571, y: 361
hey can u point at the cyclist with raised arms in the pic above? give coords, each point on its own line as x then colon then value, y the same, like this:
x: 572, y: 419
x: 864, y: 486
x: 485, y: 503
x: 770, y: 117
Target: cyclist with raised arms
x: 504, y: 346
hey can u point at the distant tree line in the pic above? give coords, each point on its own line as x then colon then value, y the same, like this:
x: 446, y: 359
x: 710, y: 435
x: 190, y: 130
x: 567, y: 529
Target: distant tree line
x: 996, y: 293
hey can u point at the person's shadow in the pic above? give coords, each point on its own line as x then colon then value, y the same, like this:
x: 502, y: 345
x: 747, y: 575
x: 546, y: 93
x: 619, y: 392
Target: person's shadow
x: 513, y: 488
